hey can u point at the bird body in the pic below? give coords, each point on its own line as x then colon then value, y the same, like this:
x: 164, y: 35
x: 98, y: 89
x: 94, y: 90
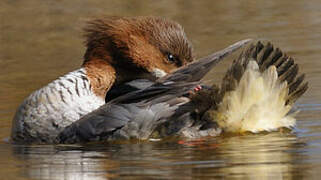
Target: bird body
x: 136, y: 82
x: 119, y: 49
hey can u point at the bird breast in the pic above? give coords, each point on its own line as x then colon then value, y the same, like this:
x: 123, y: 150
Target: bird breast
x: 57, y: 105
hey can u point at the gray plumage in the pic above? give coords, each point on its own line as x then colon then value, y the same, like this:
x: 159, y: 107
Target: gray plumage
x: 139, y: 113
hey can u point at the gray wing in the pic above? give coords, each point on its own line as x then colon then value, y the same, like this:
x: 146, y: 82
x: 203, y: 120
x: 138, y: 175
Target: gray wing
x: 122, y: 89
x: 137, y: 120
x: 138, y: 113
x: 117, y: 121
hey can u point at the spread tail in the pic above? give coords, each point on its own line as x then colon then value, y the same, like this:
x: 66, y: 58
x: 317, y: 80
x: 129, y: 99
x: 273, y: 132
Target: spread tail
x: 258, y: 92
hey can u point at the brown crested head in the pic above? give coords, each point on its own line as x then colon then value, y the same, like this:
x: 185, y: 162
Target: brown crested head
x: 151, y: 45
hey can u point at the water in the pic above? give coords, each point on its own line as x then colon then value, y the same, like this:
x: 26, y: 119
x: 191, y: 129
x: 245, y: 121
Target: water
x: 41, y: 40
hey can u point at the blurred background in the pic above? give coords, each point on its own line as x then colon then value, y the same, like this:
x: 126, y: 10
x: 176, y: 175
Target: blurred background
x: 41, y: 40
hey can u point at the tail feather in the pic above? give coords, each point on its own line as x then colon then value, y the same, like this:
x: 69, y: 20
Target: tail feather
x: 266, y: 56
x: 258, y: 91
x: 295, y: 84
x: 276, y: 54
x: 297, y: 93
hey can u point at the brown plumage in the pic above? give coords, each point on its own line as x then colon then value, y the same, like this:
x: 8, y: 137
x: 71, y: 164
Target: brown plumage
x: 134, y: 47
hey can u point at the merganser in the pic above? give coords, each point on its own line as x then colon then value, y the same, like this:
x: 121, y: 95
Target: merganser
x: 118, y: 50
x: 257, y: 94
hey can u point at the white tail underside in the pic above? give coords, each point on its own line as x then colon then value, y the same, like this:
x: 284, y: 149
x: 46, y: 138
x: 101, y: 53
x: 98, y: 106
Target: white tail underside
x: 257, y: 104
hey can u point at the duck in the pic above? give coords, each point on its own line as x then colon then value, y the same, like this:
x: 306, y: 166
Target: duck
x: 118, y: 50
x: 257, y: 94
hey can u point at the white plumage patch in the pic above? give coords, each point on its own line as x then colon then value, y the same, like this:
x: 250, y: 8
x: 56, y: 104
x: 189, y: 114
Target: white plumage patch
x: 159, y: 73
x: 257, y: 104
x: 56, y: 105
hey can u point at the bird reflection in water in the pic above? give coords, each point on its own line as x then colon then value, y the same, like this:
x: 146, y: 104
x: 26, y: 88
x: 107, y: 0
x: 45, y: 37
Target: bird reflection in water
x: 252, y: 156
x: 69, y: 162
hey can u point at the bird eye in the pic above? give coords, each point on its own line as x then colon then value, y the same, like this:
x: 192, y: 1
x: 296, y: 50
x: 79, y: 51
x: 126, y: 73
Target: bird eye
x: 171, y: 58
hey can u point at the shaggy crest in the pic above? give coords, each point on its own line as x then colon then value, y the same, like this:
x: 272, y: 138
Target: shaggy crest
x: 121, y: 35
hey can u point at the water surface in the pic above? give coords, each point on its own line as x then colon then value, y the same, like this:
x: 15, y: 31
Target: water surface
x: 41, y: 40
